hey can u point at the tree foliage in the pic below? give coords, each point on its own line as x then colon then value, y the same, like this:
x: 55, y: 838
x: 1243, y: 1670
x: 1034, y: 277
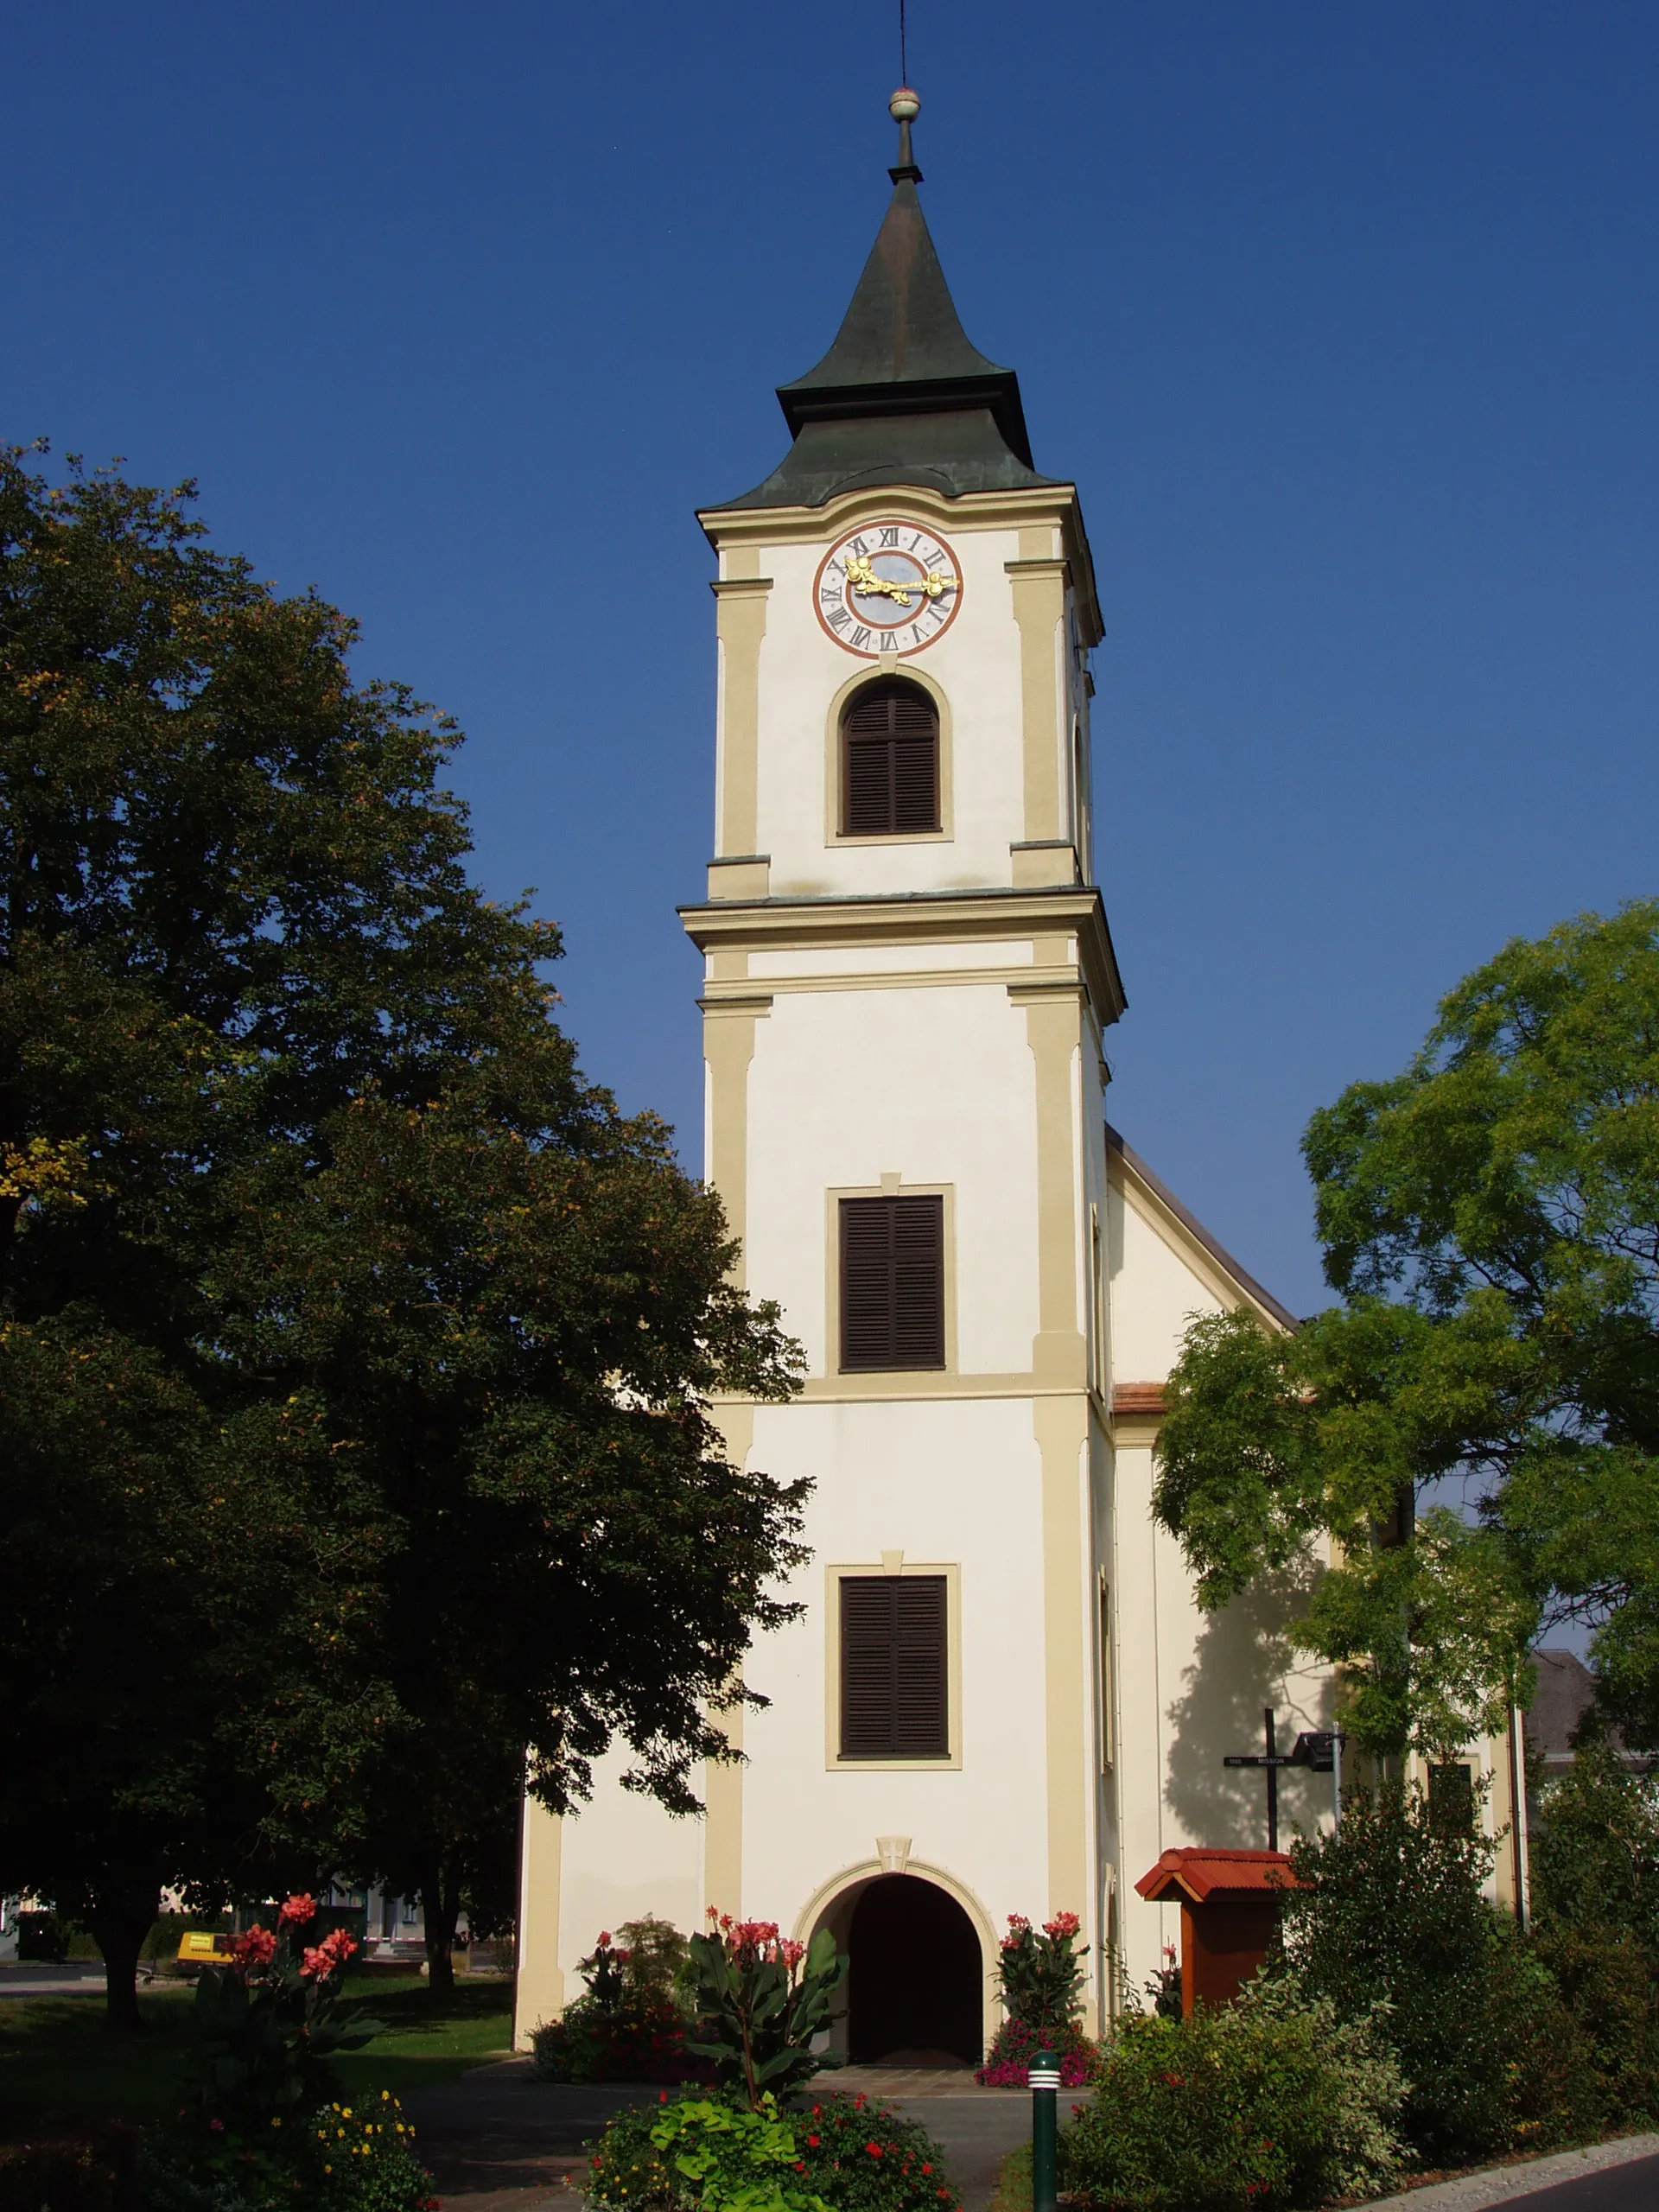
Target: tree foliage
x: 356, y: 1354
x: 1491, y: 1219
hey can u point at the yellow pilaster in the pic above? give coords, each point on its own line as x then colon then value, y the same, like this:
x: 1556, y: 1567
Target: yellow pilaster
x: 539, y: 1994
x: 741, y: 624
x: 1040, y: 609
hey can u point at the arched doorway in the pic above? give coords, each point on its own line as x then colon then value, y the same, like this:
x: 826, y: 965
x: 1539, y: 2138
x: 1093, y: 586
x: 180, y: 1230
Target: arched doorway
x: 915, y: 1987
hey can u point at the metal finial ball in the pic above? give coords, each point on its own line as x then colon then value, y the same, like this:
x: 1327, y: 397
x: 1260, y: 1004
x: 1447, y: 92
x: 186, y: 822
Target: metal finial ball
x: 904, y: 106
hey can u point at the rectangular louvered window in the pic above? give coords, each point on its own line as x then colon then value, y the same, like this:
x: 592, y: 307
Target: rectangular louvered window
x: 894, y: 1660
x: 892, y: 1282
x: 890, y: 767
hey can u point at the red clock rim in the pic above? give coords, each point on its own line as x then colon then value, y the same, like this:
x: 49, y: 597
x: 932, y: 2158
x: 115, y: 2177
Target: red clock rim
x: 902, y: 522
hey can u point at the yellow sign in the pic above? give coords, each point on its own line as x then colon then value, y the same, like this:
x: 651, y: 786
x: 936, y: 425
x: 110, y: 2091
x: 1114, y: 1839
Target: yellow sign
x: 199, y: 1948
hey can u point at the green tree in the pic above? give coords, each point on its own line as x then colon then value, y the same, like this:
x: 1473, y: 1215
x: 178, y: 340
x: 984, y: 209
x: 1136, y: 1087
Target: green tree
x: 507, y: 1312
x: 1491, y: 1219
x: 1388, y: 1913
x: 353, y: 1350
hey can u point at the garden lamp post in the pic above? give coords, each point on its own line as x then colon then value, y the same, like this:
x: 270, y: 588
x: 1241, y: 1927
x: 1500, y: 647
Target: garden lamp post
x: 1044, y: 2074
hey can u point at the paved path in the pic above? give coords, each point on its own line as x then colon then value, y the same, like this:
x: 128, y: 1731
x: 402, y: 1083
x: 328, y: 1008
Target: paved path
x: 498, y: 2140
x: 1622, y: 2177
x: 75, y: 1978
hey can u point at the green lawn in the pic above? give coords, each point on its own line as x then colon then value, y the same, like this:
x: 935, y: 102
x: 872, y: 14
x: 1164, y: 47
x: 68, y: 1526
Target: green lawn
x: 58, y: 2056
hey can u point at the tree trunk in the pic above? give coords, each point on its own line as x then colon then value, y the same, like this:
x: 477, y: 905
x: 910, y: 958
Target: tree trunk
x: 120, y: 1919
x: 441, y: 1910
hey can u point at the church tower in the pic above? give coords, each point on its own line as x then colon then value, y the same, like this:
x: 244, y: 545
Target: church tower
x: 908, y: 980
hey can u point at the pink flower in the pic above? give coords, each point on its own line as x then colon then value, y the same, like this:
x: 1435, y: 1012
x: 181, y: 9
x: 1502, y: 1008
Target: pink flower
x: 604, y: 1938
x: 257, y: 1949
x: 1063, y: 1927
x: 298, y: 1909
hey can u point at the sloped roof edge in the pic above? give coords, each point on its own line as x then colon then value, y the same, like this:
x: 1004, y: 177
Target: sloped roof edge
x: 1256, y: 1293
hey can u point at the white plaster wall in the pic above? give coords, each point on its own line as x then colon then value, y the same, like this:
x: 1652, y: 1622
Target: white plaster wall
x: 946, y: 1483
x: 936, y: 1085
x: 1153, y: 1295
x: 975, y: 663
x: 621, y: 1857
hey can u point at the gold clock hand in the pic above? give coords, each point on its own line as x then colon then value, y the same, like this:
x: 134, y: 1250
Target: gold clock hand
x: 864, y: 580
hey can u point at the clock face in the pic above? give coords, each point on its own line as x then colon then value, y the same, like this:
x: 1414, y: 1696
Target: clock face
x: 887, y: 587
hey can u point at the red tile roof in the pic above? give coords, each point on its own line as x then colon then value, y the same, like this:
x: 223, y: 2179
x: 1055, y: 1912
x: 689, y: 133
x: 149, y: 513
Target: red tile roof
x: 1199, y: 1875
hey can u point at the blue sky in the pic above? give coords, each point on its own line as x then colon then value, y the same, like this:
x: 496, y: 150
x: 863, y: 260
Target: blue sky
x: 1346, y: 320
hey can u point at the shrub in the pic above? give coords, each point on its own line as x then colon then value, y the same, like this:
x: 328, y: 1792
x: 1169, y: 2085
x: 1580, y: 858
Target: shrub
x: 734, y: 2155
x: 1272, y: 2101
x: 639, y: 2042
x: 42, y: 1936
x: 658, y: 1960
x: 72, y: 2168
x: 762, y: 1999
x: 627, y: 2026
x: 846, y: 2152
x: 336, y: 2157
x: 1390, y: 1914
x: 1609, y: 1986
x: 1594, y: 1852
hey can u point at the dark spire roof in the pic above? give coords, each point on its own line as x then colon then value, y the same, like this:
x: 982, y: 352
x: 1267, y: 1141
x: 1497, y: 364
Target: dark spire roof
x: 901, y: 396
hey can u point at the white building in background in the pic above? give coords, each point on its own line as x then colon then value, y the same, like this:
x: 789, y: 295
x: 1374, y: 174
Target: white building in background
x: 1000, y: 1697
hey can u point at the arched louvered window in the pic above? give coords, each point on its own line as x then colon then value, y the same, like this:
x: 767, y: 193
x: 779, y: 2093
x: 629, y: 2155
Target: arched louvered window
x: 890, y: 762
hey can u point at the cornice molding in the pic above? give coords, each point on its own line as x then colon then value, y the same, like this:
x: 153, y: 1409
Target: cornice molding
x: 1057, y: 504
x: 775, y: 925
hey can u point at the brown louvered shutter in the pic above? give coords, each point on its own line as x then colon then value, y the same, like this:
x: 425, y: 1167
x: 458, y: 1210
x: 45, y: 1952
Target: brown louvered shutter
x: 892, y: 1282
x: 890, y: 770
x: 894, y: 1644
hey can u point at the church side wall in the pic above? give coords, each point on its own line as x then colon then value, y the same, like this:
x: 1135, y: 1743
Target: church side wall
x: 1191, y: 1687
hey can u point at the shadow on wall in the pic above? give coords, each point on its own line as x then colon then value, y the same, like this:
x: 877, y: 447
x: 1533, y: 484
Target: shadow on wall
x: 1243, y: 1662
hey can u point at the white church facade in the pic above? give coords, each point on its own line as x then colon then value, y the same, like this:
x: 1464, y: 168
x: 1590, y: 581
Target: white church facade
x: 999, y: 1696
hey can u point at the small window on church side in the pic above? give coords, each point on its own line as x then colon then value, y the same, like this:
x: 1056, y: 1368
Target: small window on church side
x: 892, y: 1282
x: 894, y: 1667
x: 890, y: 762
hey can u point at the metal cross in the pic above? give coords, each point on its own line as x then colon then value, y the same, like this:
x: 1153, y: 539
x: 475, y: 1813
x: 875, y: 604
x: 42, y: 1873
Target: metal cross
x: 1318, y: 1748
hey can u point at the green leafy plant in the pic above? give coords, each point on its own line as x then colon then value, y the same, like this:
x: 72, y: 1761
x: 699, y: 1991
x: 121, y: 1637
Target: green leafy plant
x: 737, y: 2160
x: 337, y: 2157
x: 1388, y: 1922
x: 1491, y: 1222
x: 1595, y: 1847
x: 1272, y: 2101
x: 761, y: 1998
x: 848, y: 2152
x: 1609, y: 1983
x: 267, y: 2024
x: 658, y: 1959
x: 627, y: 2026
x: 1039, y: 1974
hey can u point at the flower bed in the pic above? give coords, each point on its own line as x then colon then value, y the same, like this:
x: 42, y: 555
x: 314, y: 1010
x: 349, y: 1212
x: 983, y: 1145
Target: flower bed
x: 1041, y: 1976
x: 1008, y: 2064
x: 696, y: 2153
